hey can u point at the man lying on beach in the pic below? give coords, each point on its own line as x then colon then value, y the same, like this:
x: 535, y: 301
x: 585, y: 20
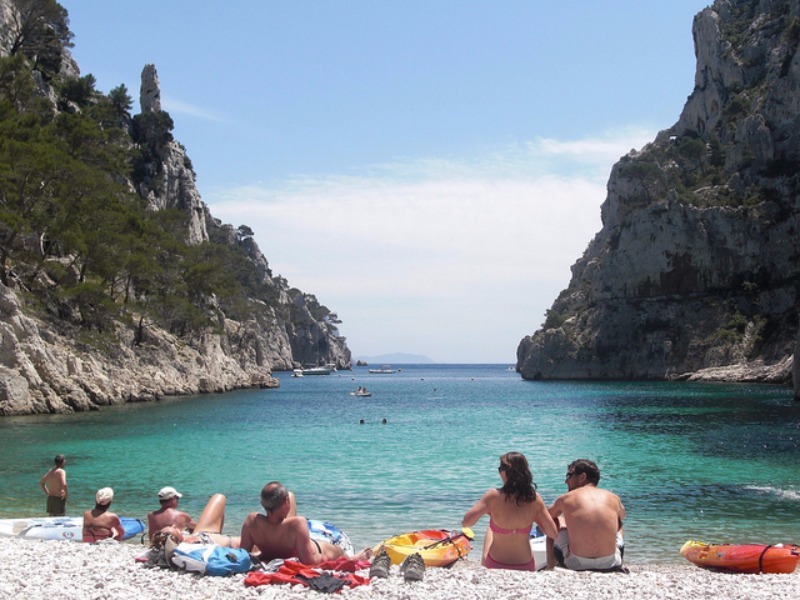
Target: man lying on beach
x: 54, y: 485
x: 589, y: 521
x: 168, y: 514
x: 207, y: 530
x: 280, y: 533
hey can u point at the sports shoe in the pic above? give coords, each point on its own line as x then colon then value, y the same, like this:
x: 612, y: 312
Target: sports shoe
x: 413, y: 567
x: 380, y: 565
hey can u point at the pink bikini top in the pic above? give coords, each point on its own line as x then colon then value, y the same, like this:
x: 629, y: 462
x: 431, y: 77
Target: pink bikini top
x: 497, y: 529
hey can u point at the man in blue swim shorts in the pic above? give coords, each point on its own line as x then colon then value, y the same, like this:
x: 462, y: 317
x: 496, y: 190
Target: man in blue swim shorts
x: 589, y: 521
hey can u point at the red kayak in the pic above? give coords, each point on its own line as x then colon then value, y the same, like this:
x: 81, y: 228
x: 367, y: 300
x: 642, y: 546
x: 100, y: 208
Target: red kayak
x: 743, y: 558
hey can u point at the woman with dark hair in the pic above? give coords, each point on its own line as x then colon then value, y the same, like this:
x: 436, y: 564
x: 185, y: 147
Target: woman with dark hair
x: 512, y: 510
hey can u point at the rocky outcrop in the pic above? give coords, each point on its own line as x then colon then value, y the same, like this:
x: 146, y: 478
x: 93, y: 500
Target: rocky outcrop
x: 150, y: 90
x: 45, y: 371
x: 695, y: 273
x: 172, y: 180
x: 48, y: 365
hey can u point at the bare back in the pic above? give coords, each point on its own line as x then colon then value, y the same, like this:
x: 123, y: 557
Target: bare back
x: 593, y: 516
x: 54, y: 482
x: 167, y: 517
x: 285, y: 539
x: 512, y: 547
x: 101, y: 525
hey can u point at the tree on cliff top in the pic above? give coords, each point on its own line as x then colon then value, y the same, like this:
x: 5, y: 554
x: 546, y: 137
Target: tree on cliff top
x: 40, y: 31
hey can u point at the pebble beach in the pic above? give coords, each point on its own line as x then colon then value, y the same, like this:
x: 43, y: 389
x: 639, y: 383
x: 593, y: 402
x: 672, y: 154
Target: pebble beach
x: 56, y: 569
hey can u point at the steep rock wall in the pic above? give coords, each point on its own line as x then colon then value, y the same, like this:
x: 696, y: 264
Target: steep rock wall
x: 695, y: 273
x: 47, y: 366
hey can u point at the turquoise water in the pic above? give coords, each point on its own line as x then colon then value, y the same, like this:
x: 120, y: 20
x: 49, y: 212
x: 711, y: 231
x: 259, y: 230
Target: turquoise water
x: 707, y: 461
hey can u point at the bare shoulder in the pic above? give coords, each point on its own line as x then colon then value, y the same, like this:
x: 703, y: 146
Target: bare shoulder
x: 251, y: 519
x: 492, y: 494
x: 300, y: 523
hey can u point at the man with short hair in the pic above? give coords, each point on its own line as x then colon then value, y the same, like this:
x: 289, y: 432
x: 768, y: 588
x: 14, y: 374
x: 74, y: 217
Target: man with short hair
x: 280, y: 533
x: 54, y: 485
x: 589, y: 521
x: 169, y: 515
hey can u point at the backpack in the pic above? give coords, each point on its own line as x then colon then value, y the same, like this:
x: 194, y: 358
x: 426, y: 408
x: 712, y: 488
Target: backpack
x: 211, y: 559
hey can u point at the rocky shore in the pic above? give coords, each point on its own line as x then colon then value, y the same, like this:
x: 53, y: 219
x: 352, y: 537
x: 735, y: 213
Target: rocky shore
x: 38, y: 569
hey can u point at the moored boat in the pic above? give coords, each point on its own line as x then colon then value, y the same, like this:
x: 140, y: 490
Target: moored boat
x: 326, y: 370
x: 743, y: 558
x: 438, y: 547
x: 384, y: 370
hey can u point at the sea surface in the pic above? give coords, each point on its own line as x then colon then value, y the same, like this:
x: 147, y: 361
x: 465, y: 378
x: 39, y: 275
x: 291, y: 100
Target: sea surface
x: 714, y: 462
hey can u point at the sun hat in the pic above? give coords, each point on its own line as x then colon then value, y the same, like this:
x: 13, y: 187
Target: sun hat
x: 104, y: 496
x: 169, y: 492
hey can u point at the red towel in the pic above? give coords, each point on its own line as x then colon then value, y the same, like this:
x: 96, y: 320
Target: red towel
x: 289, y: 571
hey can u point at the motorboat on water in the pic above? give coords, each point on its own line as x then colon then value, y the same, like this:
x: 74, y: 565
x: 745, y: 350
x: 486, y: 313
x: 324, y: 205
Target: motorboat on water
x: 326, y: 370
x: 384, y: 370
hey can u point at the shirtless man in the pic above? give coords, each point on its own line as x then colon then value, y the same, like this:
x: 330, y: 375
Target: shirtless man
x: 280, y: 533
x: 100, y: 523
x: 207, y: 530
x: 589, y: 521
x: 54, y: 485
x: 168, y: 514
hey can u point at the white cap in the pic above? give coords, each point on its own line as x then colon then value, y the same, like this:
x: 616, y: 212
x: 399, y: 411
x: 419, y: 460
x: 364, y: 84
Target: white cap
x: 168, y: 493
x: 104, y: 496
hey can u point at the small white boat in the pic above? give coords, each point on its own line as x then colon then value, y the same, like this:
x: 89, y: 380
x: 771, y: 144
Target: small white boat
x: 326, y: 370
x: 361, y: 392
x: 384, y: 370
x: 297, y: 373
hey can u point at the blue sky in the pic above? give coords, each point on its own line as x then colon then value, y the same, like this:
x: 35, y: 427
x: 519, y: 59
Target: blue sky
x: 430, y: 170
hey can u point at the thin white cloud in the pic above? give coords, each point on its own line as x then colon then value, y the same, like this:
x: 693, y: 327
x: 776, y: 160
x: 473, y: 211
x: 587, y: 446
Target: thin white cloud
x: 175, y: 106
x: 480, y: 247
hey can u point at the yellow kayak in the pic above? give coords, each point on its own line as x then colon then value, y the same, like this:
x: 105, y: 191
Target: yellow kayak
x: 438, y: 547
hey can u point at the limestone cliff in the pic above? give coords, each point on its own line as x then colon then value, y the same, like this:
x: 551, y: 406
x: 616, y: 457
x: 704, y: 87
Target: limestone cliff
x: 695, y: 272
x: 51, y: 363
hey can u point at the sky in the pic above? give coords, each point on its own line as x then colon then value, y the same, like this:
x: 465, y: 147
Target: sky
x: 428, y: 169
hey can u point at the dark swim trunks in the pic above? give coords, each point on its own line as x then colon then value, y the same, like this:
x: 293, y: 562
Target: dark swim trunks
x: 56, y: 506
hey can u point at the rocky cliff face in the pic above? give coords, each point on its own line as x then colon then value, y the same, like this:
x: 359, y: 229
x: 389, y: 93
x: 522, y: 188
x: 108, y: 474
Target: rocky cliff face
x: 695, y: 273
x: 176, y: 180
x: 299, y: 337
x: 47, y: 366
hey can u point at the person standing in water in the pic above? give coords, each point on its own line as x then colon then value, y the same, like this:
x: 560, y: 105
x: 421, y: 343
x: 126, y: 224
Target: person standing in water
x: 54, y: 486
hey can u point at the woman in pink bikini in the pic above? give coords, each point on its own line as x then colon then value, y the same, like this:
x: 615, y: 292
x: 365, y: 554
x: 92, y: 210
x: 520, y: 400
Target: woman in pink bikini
x: 512, y: 510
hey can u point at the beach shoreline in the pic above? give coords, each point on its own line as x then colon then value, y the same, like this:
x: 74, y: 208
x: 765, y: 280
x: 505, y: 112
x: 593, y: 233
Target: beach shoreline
x: 32, y: 568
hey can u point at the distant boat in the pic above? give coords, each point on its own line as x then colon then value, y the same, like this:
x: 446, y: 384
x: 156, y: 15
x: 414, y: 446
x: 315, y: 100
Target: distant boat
x: 363, y: 394
x: 384, y: 370
x: 326, y: 370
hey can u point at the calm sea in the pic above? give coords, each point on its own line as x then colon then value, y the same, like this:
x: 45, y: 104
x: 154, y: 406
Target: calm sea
x: 690, y: 461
